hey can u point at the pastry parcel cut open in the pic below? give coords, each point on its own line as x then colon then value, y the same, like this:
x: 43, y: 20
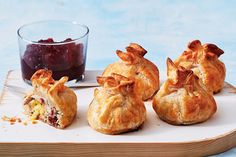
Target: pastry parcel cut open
x: 51, y: 101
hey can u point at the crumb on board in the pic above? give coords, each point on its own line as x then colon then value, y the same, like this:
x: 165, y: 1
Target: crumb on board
x: 19, y: 120
x: 25, y: 123
x: 34, y: 122
x: 11, y: 120
x: 14, y: 120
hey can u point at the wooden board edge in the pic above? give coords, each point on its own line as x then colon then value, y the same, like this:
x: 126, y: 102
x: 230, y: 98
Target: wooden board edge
x: 228, y: 85
x: 202, y: 148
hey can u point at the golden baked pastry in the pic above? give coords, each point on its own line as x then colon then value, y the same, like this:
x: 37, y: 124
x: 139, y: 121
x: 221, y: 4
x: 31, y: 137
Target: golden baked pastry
x: 51, y: 101
x: 133, y: 65
x: 116, y: 108
x: 203, y: 61
x: 182, y: 99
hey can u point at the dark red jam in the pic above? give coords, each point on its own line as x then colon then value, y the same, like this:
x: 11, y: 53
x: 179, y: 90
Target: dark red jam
x: 66, y: 59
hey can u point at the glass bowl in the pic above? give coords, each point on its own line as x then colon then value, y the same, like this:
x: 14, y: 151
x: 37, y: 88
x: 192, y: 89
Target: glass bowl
x: 59, y: 46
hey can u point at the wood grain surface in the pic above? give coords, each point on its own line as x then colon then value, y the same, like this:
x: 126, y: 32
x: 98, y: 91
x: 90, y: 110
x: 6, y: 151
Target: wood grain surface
x: 200, y: 148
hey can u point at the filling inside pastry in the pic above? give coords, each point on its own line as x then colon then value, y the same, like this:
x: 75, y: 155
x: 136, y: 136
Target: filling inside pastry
x: 50, y: 101
x: 38, y: 108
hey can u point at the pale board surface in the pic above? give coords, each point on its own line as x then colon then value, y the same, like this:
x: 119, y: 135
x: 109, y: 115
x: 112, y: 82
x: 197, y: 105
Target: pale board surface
x: 153, y: 130
x: 155, y: 138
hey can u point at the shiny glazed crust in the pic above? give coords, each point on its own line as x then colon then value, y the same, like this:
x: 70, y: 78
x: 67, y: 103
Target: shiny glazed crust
x: 58, y: 97
x: 203, y: 60
x: 116, y: 108
x: 182, y: 100
x: 133, y: 65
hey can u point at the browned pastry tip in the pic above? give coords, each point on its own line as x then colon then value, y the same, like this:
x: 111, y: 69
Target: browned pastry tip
x: 133, y: 52
x: 43, y: 74
x: 178, y: 74
x: 119, y: 77
x: 109, y: 80
x: 170, y: 65
x: 194, y: 45
x: 195, y: 50
x: 136, y: 49
x: 212, y: 48
x: 116, y: 82
x: 126, y: 57
x: 190, y: 81
x: 60, y: 84
x: 44, y: 78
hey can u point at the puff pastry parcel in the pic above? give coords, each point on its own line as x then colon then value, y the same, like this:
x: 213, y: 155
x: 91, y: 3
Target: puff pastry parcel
x: 133, y: 65
x: 182, y: 99
x: 51, y: 101
x: 203, y: 61
x: 116, y: 108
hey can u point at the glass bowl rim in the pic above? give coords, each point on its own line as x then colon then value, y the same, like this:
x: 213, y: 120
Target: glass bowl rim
x: 56, y: 43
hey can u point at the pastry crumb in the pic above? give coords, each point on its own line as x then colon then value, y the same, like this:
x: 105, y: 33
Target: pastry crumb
x: 34, y: 122
x: 11, y: 120
x: 25, y: 123
x: 14, y: 120
x: 19, y: 120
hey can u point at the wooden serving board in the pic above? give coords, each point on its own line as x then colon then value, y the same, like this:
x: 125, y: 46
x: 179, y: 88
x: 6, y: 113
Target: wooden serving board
x: 154, y: 138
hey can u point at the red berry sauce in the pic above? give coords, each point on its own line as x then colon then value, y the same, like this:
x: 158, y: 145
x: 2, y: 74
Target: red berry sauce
x: 63, y: 59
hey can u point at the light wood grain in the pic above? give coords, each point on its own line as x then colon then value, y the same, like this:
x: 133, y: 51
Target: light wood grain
x: 204, y: 147
x: 200, y: 148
